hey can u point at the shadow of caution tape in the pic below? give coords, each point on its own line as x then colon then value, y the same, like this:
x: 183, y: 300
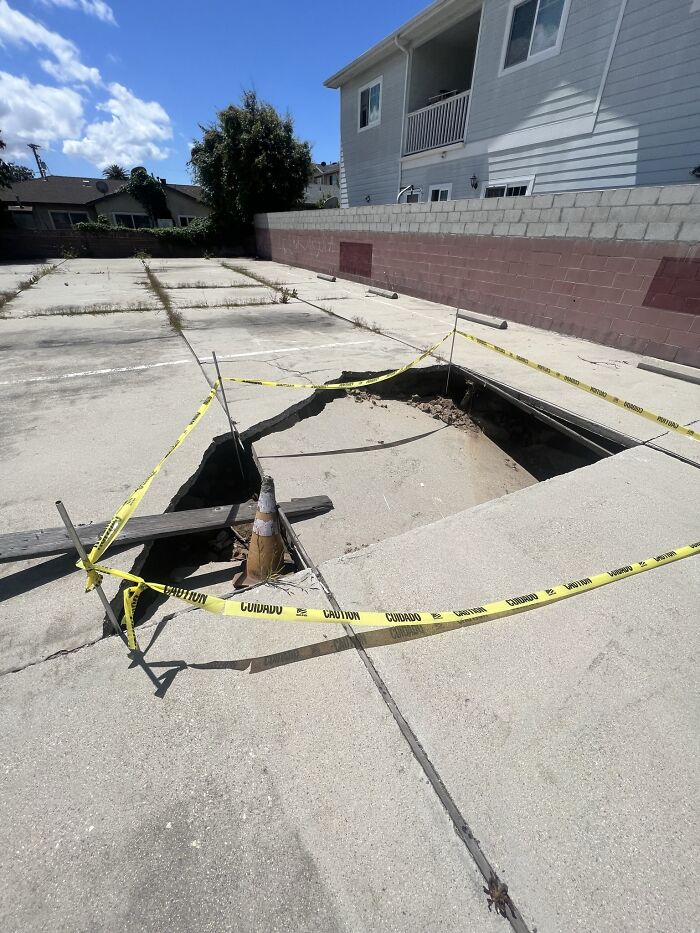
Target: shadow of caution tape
x: 400, y: 619
x: 667, y: 423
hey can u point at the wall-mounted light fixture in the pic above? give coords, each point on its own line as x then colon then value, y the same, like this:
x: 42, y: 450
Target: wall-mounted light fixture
x: 695, y: 171
x: 368, y: 198
x: 474, y: 182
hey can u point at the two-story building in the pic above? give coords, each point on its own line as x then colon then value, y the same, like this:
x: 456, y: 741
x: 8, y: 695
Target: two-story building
x: 493, y: 98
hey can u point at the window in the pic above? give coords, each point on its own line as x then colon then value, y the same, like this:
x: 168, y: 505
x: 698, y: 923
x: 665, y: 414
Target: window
x: 64, y: 220
x: 370, y: 105
x: 185, y: 220
x: 413, y: 198
x: 440, y: 192
x: 535, y: 31
x: 506, y: 189
x: 133, y: 221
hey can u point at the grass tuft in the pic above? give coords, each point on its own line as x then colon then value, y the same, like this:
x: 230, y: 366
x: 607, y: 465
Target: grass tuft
x: 175, y: 318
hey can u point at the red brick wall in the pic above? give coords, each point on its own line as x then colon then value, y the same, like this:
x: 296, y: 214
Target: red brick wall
x: 639, y: 296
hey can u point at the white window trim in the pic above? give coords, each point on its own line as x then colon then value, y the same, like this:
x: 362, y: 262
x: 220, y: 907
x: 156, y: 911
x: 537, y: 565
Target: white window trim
x: 447, y: 187
x: 188, y: 217
x: 508, y: 182
x: 540, y: 56
x: 370, y: 84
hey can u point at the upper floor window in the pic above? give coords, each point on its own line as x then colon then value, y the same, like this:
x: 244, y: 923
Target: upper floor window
x: 535, y: 31
x: 370, y: 106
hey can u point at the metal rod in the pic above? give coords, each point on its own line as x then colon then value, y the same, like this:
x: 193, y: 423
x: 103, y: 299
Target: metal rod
x: 136, y: 656
x: 73, y: 534
x: 234, y: 432
x: 452, y: 349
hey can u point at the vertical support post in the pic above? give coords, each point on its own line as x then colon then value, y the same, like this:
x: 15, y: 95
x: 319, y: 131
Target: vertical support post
x: 136, y: 656
x: 73, y: 534
x: 452, y: 348
x: 237, y: 443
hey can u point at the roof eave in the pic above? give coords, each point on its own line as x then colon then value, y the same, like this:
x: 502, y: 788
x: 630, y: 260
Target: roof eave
x: 433, y: 19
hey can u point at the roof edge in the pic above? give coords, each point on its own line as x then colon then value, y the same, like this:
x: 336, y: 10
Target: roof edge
x: 437, y: 16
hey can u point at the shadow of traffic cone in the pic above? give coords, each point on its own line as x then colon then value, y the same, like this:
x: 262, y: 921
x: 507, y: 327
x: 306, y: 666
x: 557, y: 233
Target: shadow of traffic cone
x: 266, y: 548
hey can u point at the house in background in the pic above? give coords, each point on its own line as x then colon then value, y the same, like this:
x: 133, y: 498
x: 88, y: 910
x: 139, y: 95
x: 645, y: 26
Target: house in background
x: 492, y: 98
x: 324, y: 182
x: 59, y: 201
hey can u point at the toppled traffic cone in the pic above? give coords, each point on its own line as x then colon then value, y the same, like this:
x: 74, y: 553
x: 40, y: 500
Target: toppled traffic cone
x: 266, y: 548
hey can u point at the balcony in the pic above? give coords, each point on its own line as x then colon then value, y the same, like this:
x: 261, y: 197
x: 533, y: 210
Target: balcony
x: 437, y: 125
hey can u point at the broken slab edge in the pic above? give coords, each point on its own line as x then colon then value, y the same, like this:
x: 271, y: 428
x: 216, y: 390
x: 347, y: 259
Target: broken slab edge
x: 674, y: 370
x: 482, y: 319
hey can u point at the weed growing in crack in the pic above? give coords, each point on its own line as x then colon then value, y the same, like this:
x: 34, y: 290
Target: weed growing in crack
x: 154, y: 284
x: 77, y: 310
x: 37, y: 274
x: 286, y: 294
x: 278, y: 287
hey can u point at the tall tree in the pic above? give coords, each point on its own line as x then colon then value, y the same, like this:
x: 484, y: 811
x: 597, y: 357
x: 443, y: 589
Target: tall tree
x: 115, y: 171
x: 5, y: 173
x: 249, y: 162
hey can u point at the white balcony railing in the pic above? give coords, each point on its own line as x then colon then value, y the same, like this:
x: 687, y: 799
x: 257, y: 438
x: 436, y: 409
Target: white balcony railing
x: 437, y: 125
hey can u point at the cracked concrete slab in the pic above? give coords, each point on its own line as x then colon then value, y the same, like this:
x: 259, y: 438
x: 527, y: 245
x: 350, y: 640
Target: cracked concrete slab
x: 241, y: 801
x: 390, y: 469
x: 566, y: 735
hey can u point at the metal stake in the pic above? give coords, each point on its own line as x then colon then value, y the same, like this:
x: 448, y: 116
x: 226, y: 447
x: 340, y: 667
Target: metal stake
x: 449, y: 367
x: 137, y: 656
x: 234, y: 432
x: 73, y: 534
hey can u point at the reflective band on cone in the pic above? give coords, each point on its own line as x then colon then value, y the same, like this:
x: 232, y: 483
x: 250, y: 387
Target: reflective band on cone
x: 266, y: 548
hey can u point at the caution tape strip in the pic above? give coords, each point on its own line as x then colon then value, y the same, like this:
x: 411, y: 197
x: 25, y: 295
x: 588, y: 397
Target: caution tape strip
x: 341, y: 385
x: 667, y: 423
x: 462, y: 617
x: 129, y: 506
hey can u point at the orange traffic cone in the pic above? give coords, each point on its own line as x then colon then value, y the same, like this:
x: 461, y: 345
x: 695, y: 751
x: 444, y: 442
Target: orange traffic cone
x: 266, y: 548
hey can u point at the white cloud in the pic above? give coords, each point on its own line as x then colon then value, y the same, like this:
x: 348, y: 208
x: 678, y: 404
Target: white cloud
x: 18, y: 29
x: 36, y: 113
x: 132, y: 136
x: 97, y: 8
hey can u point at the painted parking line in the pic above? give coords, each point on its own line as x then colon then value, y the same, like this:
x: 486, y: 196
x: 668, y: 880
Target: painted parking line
x: 224, y: 356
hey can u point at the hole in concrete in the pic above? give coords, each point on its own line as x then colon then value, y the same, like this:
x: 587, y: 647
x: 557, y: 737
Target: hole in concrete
x: 174, y: 560
x: 542, y: 449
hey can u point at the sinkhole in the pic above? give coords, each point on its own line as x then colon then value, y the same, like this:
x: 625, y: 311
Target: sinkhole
x: 392, y: 456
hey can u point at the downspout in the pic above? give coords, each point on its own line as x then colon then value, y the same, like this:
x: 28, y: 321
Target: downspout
x: 404, y: 49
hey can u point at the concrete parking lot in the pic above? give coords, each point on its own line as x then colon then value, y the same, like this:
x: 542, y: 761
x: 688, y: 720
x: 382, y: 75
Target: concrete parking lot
x: 291, y: 776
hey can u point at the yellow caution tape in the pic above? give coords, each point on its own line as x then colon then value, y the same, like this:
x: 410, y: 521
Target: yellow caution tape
x: 592, y: 390
x: 462, y: 617
x: 341, y: 385
x: 128, y: 507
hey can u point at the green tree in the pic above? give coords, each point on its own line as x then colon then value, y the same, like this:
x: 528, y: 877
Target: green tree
x: 5, y: 173
x: 115, y: 171
x: 148, y: 191
x: 10, y: 172
x: 249, y: 162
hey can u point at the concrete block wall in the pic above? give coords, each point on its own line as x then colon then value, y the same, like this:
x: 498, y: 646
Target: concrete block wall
x: 620, y: 266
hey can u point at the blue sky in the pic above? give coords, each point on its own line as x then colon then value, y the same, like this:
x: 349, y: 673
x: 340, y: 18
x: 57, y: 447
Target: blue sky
x: 129, y: 82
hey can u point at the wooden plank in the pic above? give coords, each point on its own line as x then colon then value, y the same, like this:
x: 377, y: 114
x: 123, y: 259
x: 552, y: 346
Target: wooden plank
x: 21, y: 545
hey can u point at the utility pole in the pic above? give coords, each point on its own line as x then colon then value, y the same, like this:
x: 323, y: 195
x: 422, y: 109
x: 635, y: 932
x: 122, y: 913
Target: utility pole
x: 40, y: 164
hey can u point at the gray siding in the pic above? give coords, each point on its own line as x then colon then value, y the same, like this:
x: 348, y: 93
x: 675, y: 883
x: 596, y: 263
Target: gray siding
x: 647, y: 128
x: 559, y: 88
x: 456, y: 173
x: 372, y: 157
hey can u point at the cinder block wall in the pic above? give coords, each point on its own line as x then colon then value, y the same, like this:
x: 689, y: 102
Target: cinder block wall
x: 620, y: 267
